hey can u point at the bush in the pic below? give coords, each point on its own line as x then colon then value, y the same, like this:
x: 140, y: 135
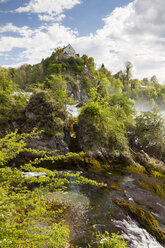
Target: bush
x: 99, y: 126
x: 148, y: 133
x: 110, y: 241
x: 27, y: 217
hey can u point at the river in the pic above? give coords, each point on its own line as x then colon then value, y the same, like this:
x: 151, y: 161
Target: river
x: 92, y: 209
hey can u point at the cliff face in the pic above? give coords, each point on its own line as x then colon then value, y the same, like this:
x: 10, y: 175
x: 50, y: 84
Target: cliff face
x: 77, y: 92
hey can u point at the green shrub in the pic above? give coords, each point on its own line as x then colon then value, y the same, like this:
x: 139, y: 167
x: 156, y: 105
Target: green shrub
x: 149, y: 133
x: 109, y: 241
x: 100, y: 124
x: 27, y: 218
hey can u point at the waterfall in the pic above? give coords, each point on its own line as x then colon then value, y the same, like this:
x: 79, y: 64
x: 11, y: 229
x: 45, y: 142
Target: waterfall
x: 138, y: 237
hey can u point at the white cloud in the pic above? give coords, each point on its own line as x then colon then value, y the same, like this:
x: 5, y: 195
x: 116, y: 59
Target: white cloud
x: 49, y: 10
x: 37, y: 43
x: 48, y: 6
x: 9, y: 27
x: 3, y: 1
x: 51, y: 17
x: 133, y: 33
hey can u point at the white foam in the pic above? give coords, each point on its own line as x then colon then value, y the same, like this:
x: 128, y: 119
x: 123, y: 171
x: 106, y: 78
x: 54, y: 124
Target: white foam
x: 138, y: 236
x: 73, y: 110
x: 34, y: 174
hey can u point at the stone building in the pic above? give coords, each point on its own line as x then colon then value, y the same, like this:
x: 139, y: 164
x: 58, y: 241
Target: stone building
x: 68, y: 52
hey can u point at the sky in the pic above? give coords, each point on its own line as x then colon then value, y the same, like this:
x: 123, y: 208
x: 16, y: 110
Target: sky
x: 111, y: 31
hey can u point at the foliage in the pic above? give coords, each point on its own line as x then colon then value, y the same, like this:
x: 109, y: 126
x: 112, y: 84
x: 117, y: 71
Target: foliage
x: 12, y: 144
x: 70, y: 80
x: 101, y: 124
x: 22, y: 210
x: 6, y: 84
x: 27, y: 217
x: 116, y: 86
x: 58, y: 87
x: 124, y: 106
x: 87, y: 81
x: 11, y: 101
x: 148, y: 91
x: 128, y: 67
x: 24, y: 213
x: 148, y: 133
x: 109, y: 241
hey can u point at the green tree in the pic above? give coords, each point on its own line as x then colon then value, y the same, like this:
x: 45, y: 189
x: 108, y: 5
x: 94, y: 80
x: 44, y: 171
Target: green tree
x: 85, y: 58
x: 153, y: 79
x: 128, y: 68
x: 116, y: 86
x: 124, y: 107
x: 100, y: 125
x: 58, y: 52
x: 149, y: 133
x: 12, y: 102
x: 57, y: 85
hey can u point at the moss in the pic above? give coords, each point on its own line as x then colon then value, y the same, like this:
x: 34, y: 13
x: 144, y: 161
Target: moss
x: 114, y: 186
x: 145, y: 218
x: 93, y: 164
x: 158, y: 174
x: 139, y: 202
x: 138, y: 169
x: 83, y: 162
x: 154, y: 187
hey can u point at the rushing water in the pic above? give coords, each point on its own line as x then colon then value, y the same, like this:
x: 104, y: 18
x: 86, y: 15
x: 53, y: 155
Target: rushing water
x: 138, y: 236
x: 33, y: 174
x: 141, y: 109
x: 163, y: 113
x: 92, y: 208
x: 73, y: 110
x: 26, y: 94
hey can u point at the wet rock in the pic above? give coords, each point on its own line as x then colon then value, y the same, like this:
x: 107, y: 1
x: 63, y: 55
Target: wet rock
x: 83, y: 96
x: 144, y: 198
x: 30, y: 115
x: 73, y: 91
x: 53, y: 143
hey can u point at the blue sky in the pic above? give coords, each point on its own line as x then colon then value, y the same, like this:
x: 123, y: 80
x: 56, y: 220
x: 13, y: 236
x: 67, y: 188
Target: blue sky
x: 111, y: 31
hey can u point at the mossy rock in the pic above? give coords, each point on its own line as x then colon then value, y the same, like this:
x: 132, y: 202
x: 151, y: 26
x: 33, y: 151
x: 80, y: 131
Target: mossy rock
x: 45, y: 113
x: 145, y: 218
x: 87, y: 163
x: 114, y: 186
x: 154, y: 187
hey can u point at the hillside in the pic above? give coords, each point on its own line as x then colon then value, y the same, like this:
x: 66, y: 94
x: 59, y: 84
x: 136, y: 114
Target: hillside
x: 81, y: 72
x: 93, y: 170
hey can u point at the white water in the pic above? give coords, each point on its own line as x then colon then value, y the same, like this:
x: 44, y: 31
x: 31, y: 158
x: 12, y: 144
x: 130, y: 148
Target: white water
x: 34, y: 174
x: 73, y: 110
x: 163, y: 113
x: 26, y: 94
x: 138, y: 236
x: 127, y: 179
x: 145, y: 109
